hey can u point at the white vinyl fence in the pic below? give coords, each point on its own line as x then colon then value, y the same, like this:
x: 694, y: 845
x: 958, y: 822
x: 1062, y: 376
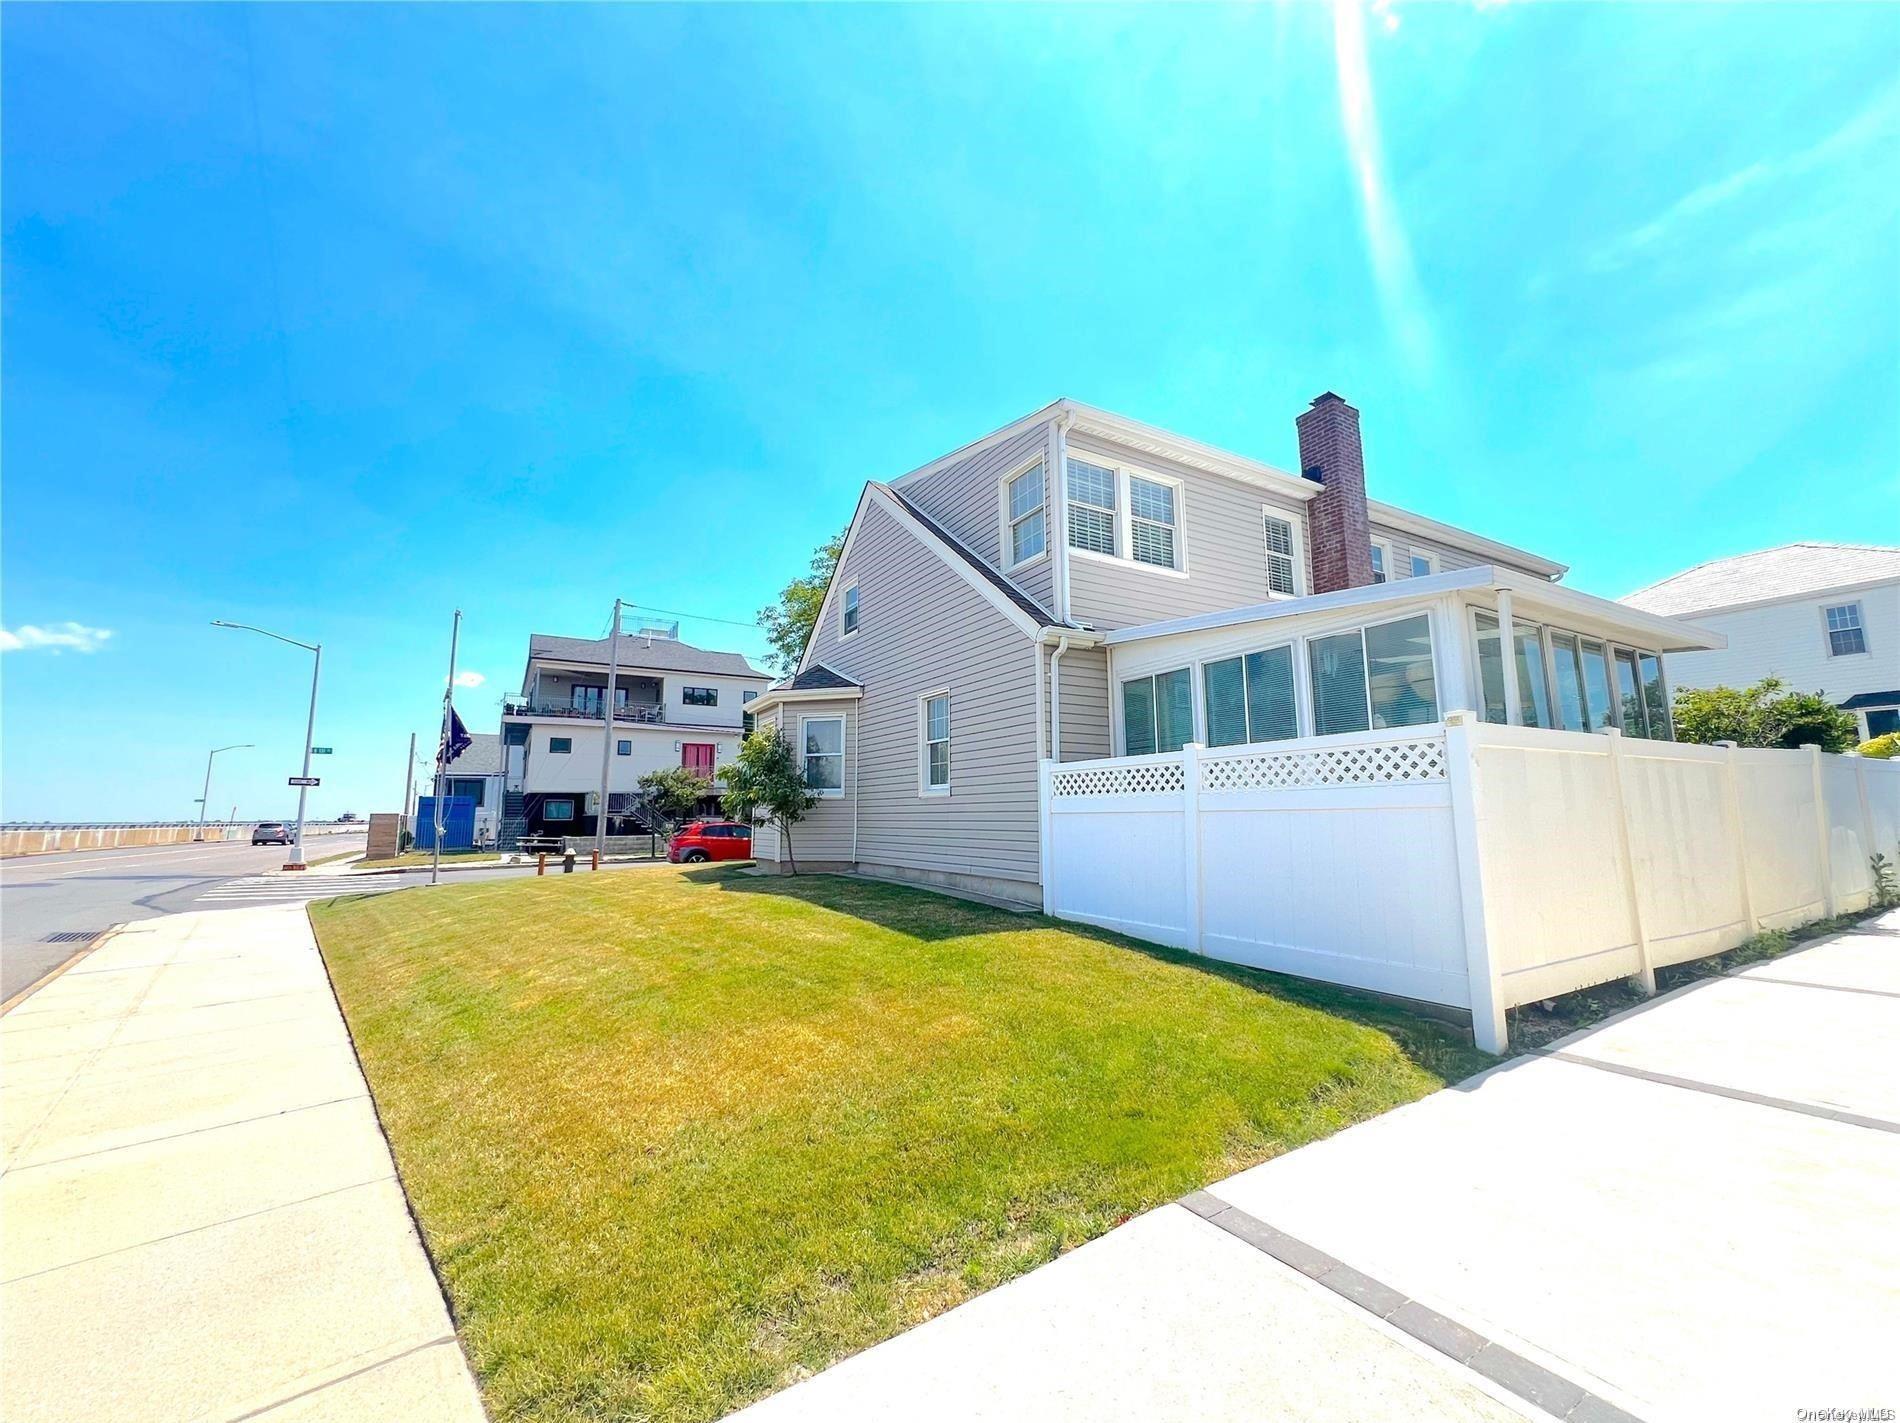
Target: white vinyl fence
x: 1466, y: 864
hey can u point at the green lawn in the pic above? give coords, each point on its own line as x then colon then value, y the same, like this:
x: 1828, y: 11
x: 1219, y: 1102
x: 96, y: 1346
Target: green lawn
x: 427, y: 857
x: 678, y: 1138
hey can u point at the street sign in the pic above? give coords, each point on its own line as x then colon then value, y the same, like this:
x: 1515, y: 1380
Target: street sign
x: 306, y: 780
x: 319, y: 750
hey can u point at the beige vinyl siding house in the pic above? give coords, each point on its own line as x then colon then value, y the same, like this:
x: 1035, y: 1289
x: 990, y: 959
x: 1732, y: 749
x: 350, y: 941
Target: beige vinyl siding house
x: 957, y: 653
x: 922, y: 631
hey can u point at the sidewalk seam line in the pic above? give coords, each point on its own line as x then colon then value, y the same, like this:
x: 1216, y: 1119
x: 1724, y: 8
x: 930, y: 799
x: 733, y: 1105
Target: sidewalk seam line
x: 174, y: 1136
x: 195, y: 1229
x: 341, y: 1378
x: 1322, y: 1268
x: 1797, y: 983
x: 1715, y: 1089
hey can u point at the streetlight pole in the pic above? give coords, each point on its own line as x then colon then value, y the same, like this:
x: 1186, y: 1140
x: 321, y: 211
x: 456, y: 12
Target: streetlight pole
x: 296, y: 861
x: 204, y: 801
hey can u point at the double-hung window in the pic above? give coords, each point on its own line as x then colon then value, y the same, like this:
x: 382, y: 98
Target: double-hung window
x: 1157, y: 713
x: 1422, y: 565
x: 933, y: 760
x: 823, y: 738
x: 1151, y: 515
x: 850, y: 614
x: 1250, y: 698
x: 1374, y: 677
x: 1092, y: 507
x: 1280, y: 554
x: 1027, y: 535
x: 1379, y: 574
x: 745, y: 717
x: 1846, y: 636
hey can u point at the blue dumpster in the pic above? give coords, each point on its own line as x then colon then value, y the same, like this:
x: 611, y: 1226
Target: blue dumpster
x: 458, y: 822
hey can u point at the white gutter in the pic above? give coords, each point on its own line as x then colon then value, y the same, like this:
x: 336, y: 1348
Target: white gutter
x: 1060, y: 485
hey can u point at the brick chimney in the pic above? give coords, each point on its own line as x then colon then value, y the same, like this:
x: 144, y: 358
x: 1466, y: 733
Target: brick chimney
x: 1338, y: 532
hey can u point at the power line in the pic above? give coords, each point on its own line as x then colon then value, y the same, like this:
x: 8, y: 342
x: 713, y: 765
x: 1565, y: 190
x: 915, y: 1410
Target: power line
x: 697, y: 617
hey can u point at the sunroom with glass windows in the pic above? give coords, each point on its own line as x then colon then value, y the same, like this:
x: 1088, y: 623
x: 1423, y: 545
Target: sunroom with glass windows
x: 1395, y: 655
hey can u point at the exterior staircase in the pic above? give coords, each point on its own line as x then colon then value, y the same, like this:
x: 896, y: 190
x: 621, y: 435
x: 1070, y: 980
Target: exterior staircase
x: 514, y: 820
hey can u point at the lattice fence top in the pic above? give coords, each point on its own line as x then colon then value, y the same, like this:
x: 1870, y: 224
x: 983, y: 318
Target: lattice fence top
x: 1142, y: 778
x: 1375, y: 764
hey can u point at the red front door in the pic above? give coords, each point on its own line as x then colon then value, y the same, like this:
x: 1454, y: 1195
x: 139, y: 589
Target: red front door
x: 697, y: 757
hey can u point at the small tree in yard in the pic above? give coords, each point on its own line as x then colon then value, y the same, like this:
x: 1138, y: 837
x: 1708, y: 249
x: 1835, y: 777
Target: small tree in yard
x: 1765, y: 714
x: 767, y: 786
x: 674, y: 792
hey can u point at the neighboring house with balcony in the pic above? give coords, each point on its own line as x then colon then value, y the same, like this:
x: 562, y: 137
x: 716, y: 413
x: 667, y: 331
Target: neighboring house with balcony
x: 1823, y: 617
x: 1079, y: 585
x: 673, y: 705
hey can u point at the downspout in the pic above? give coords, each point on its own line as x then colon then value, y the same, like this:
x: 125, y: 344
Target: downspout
x: 1055, y: 699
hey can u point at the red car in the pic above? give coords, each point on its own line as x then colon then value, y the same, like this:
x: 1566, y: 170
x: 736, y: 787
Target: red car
x: 710, y: 840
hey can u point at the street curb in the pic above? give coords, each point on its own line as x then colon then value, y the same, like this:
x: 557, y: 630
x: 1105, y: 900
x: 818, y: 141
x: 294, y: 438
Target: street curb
x: 25, y: 993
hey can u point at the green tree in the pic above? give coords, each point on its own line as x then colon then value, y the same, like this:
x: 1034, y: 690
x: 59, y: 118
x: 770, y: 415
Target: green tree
x: 767, y: 786
x: 1765, y: 714
x: 788, y: 623
x: 674, y: 792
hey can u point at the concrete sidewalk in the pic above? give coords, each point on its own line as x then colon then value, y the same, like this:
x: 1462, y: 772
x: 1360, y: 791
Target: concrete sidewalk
x: 1689, y: 1212
x: 202, y: 1217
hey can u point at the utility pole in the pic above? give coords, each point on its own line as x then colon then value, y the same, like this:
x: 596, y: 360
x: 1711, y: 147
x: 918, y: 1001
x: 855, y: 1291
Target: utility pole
x: 441, y: 751
x: 607, y: 733
x: 408, y: 790
x: 204, y: 801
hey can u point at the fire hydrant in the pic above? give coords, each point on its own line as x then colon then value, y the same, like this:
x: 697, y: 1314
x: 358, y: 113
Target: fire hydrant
x: 567, y: 862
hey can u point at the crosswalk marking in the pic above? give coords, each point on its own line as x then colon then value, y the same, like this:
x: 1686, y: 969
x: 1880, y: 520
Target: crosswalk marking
x: 265, y: 889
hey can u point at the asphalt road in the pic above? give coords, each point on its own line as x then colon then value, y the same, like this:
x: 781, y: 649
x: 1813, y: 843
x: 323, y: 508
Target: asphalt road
x: 85, y: 891
x: 88, y: 891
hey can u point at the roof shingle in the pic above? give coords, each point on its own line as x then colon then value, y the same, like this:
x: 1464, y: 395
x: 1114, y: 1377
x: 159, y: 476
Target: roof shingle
x: 659, y: 653
x: 1785, y: 572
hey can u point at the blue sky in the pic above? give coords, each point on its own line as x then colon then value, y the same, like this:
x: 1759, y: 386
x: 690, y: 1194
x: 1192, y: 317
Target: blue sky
x: 333, y: 319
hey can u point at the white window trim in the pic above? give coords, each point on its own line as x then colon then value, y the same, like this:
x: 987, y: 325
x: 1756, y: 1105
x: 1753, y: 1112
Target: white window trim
x: 1384, y: 548
x: 844, y: 744
x: 1860, y: 623
x: 1297, y: 523
x: 924, y: 788
x: 844, y: 606
x: 1005, y: 526
x: 1300, y: 719
x: 1412, y: 558
x: 1124, y: 555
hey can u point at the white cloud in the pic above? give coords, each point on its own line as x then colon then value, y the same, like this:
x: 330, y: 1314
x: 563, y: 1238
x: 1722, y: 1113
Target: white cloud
x: 57, y: 637
x: 1877, y: 122
x: 1399, y: 292
x: 467, y: 679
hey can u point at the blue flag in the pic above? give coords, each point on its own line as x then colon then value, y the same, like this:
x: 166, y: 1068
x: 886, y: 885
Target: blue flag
x: 455, y: 738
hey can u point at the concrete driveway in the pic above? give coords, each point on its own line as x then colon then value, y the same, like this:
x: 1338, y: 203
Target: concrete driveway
x: 1688, y: 1212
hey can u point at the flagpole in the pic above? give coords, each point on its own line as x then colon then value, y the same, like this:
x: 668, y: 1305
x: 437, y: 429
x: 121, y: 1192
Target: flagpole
x: 607, y: 733
x: 442, y: 747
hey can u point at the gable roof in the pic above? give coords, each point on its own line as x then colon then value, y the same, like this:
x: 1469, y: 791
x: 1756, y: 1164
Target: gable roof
x: 1790, y: 571
x: 816, y: 678
x: 482, y: 758
x: 659, y: 653
x: 1029, y: 606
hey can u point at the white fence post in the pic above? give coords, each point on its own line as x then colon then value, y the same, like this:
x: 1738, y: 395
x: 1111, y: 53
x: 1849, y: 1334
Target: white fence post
x: 1741, y: 838
x: 1191, y: 838
x: 1822, y: 830
x: 1488, y: 1027
x: 1626, y: 858
x: 1866, y: 818
x: 1045, y: 807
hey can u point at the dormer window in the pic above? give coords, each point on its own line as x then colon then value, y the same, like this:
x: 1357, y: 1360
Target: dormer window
x: 1023, y: 512
x: 1151, y: 521
x: 1092, y: 507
